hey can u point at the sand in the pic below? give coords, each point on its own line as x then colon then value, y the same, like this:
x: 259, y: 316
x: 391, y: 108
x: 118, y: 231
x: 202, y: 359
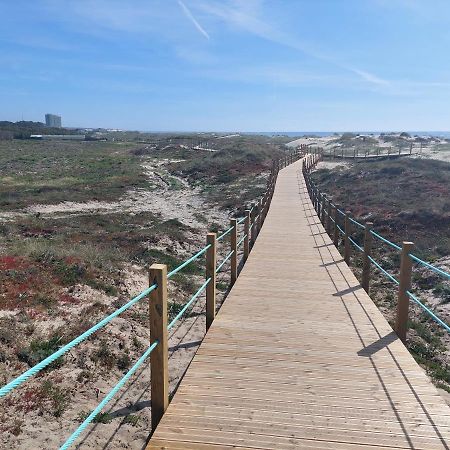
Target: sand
x: 44, y: 431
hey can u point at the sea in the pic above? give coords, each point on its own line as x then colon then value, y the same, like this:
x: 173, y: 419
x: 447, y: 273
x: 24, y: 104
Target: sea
x: 443, y: 134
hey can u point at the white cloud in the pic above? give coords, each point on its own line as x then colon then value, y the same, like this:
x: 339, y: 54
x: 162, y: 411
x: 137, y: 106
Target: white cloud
x: 189, y: 15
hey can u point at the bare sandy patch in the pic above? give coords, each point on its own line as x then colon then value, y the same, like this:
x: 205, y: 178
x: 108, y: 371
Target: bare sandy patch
x: 170, y: 196
x: 333, y: 165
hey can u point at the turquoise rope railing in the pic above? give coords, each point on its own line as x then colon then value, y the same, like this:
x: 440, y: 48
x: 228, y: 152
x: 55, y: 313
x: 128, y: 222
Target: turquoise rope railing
x: 385, y: 272
x: 219, y: 238
x: 428, y: 310
x: 358, y: 224
x: 386, y: 241
x: 53, y: 357
x: 189, y: 303
x: 224, y: 261
x: 241, y: 240
x: 430, y: 266
x: 189, y: 261
x: 355, y: 244
x: 108, y: 398
x: 44, y: 363
x: 116, y: 388
x: 391, y: 277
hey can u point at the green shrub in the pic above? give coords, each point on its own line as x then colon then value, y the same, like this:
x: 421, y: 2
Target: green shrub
x: 442, y: 290
x: 99, y: 418
x: 131, y: 419
x: 38, y: 350
x: 59, y: 399
x: 123, y: 361
x: 104, y: 356
x: 173, y: 309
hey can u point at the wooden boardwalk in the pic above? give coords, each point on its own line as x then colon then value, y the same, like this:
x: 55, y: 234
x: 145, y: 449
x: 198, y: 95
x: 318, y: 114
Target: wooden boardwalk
x: 300, y: 357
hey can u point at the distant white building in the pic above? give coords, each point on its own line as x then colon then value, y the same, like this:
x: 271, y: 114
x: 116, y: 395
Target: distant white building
x: 59, y: 137
x: 52, y: 120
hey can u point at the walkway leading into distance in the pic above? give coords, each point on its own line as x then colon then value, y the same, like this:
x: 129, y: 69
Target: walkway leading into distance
x: 299, y: 357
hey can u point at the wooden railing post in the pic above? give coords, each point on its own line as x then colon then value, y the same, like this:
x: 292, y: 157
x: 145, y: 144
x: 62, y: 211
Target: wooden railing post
x: 316, y: 199
x: 324, y: 203
x: 267, y: 205
x: 159, y: 358
x: 319, y: 203
x: 367, y: 253
x: 336, y: 229
x: 321, y: 195
x: 347, y: 244
x: 247, y: 234
x: 211, y: 262
x: 329, y: 221
x: 260, y: 209
x: 253, y: 224
x: 233, y: 248
x: 401, y: 321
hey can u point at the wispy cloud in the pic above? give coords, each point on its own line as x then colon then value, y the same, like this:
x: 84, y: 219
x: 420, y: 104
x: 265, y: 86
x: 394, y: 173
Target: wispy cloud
x: 189, y: 15
x: 370, y: 77
x: 246, y: 16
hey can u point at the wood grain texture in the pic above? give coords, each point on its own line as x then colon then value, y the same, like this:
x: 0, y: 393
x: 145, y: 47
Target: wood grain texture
x: 299, y: 357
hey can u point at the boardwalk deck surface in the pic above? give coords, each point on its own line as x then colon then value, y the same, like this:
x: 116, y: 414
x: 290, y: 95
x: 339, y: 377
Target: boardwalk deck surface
x: 300, y: 357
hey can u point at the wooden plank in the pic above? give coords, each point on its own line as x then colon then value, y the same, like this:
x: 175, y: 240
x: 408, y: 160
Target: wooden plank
x: 299, y: 356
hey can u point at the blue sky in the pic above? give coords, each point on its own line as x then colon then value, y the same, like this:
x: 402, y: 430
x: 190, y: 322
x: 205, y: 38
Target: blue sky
x: 245, y: 65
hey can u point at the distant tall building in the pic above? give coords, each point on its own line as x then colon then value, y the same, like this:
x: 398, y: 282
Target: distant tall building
x: 52, y: 120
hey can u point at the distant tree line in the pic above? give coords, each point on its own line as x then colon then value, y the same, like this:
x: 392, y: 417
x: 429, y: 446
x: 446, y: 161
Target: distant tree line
x: 24, y: 129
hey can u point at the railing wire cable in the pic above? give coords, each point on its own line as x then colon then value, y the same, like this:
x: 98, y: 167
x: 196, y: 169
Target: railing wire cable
x: 45, y: 362
x: 219, y: 238
x: 186, y: 263
x: 430, y: 266
x: 189, y: 303
x: 428, y: 310
x: 355, y: 244
x: 387, y: 274
x: 224, y: 261
x: 108, y: 398
x: 241, y: 241
x: 386, y: 241
x: 358, y: 224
